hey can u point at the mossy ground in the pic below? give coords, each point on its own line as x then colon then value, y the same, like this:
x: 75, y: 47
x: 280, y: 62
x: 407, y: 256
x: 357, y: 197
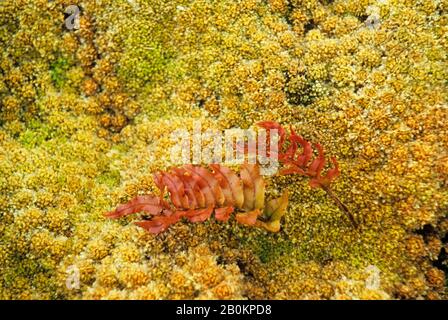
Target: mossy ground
x: 86, y: 117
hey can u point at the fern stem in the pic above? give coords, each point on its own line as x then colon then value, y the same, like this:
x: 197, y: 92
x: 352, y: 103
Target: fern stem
x: 341, y: 205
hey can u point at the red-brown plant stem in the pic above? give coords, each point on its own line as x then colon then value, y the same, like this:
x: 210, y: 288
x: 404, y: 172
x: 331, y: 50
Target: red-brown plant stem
x: 341, y: 205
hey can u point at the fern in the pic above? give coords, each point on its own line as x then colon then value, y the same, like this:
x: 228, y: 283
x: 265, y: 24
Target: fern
x: 296, y: 162
x: 196, y: 193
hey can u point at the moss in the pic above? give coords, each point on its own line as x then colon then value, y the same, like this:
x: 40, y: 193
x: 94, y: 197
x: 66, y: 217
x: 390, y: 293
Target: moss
x: 269, y: 249
x: 144, y: 62
x: 58, y: 71
x: 301, y: 91
x: 36, y: 133
x: 87, y: 115
x: 111, y: 178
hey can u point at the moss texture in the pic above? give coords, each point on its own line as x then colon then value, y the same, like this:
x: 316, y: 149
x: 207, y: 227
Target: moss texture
x: 86, y: 117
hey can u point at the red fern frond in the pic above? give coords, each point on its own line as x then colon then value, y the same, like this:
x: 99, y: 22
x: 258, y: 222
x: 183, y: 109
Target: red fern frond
x: 295, y: 162
x: 196, y: 193
x: 150, y: 204
x: 249, y: 218
x: 223, y: 214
